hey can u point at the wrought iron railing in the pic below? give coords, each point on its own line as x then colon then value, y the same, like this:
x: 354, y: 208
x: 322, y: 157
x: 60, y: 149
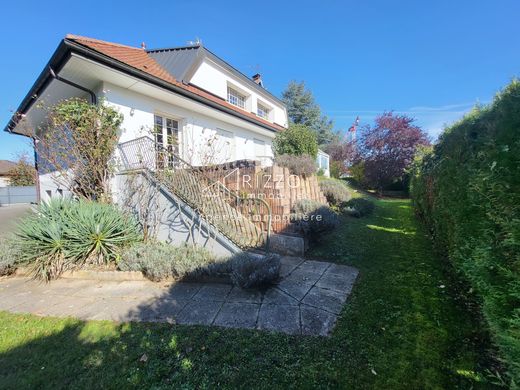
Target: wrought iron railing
x: 245, y: 220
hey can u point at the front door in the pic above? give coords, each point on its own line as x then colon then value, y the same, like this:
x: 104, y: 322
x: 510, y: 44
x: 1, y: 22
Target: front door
x: 166, y: 133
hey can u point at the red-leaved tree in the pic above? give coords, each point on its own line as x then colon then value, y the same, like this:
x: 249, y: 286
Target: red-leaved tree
x: 387, y: 149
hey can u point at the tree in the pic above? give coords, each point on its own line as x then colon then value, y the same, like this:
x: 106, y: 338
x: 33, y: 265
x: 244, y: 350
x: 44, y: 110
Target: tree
x: 78, y: 144
x: 303, y: 110
x: 296, y: 140
x: 342, y: 153
x: 387, y: 149
x: 23, y: 173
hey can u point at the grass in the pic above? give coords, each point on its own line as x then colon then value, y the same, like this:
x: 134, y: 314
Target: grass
x: 407, y: 325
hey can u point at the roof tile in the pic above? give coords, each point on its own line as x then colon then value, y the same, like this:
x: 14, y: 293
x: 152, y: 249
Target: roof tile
x: 138, y: 58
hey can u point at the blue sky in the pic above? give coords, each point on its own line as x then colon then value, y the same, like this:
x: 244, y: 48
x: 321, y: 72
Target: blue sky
x: 430, y: 59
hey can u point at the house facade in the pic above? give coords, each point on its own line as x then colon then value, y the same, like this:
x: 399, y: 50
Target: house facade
x: 5, y: 168
x: 186, y: 98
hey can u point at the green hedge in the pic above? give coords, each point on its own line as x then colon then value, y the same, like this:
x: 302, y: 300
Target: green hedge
x: 467, y: 191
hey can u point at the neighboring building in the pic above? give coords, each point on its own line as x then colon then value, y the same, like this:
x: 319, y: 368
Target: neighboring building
x: 188, y: 93
x: 5, y: 167
x: 322, y: 161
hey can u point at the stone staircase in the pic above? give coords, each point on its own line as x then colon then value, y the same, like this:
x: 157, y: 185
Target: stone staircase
x: 243, y: 220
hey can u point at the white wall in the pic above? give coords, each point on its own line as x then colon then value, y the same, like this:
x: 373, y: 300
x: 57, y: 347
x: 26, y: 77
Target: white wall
x: 195, y: 129
x: 52, y: 186
x: 4, y: 181
x: 215, y: 79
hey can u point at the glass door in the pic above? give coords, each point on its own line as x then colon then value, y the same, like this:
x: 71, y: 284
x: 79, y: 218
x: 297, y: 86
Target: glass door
x: 166, y: 133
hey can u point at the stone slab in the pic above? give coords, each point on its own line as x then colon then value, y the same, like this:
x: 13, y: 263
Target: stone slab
x: 275, y: 296
x: 213, y: 293
x: 337, y: 283
x: 69, y: 307
x: 238, y: 315
x: 288, y: 264
x: 181, y: 291
x: 342, y: 270
x: 316, y: 321
x: 329, y: 300
x: 199, y: 313
x: 314, y: 266
x: 239, y: 295
x: 294, y: 288
x: 159, y: 310
x: 279, y: 318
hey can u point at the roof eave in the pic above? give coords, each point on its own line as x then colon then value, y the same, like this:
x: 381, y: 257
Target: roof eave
x: 63, y: 53
x: 56, y: 62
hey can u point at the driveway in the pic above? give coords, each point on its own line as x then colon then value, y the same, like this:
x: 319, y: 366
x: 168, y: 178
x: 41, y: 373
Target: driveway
x: 10, y: 215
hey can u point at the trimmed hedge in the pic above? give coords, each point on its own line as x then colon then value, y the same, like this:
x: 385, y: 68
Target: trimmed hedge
x: 467, y: 191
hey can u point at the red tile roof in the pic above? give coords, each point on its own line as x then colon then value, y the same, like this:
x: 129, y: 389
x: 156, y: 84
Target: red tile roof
x: 6, y: 166
x: 138, y: 58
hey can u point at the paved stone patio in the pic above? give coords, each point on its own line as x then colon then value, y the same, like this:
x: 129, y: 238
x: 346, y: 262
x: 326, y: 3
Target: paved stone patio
x: 306, y: 301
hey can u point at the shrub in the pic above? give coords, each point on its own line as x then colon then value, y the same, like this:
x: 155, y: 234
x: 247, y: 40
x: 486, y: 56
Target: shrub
x: 153, y: 259
x: 336, y: 169
x: 467, y: 191
x: 303, y: 165
x: 9, y: 256
x: 251, y: 271
x: 357, y: 171
x: 313, y: 218
x: 158, y: 260
x: 79, y: 143
x: 97, y: 232
x: 335, y: 191
x: 358, y: 207
x: 297, y: 140
x: 65, y: 234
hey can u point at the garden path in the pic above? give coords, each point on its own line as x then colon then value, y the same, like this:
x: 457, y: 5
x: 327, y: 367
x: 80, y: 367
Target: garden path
x: 307, y: 300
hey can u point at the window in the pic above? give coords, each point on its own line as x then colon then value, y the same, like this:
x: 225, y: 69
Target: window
x: 236, y: 98
x: 166, y: 133
x: 323, y: 161
x: 259, y: 148
x: 225, y: 146
x: 262, y: 111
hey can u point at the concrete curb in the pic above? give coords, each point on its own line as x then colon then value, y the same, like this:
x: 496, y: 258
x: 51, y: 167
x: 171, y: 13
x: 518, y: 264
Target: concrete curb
x: 93, y: 275
x: 116, y: 276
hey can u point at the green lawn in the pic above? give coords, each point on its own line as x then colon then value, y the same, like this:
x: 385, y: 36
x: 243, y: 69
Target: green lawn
x: 406, y: 326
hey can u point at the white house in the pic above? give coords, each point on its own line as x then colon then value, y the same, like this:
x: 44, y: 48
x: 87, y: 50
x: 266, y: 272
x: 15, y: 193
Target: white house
x: 190, y: 94
x: 322, y: 162
x: 5, y: 167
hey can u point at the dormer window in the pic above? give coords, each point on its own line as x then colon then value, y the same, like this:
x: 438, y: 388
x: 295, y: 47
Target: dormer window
x: 262, y: 111
x: 236, y: 98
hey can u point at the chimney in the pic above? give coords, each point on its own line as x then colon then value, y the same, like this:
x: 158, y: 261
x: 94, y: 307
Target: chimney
x: 257, y: 78
x: 143, y: 45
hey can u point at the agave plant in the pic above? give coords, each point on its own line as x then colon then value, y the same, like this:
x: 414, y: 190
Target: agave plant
x: 42, y: 244
x: 97, y: 232
x: 65, y: 234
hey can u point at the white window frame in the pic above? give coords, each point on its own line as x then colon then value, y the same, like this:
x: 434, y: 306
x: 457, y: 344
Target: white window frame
x: 263, y: 110
x: 163, y: 138
x: 236, y: 98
